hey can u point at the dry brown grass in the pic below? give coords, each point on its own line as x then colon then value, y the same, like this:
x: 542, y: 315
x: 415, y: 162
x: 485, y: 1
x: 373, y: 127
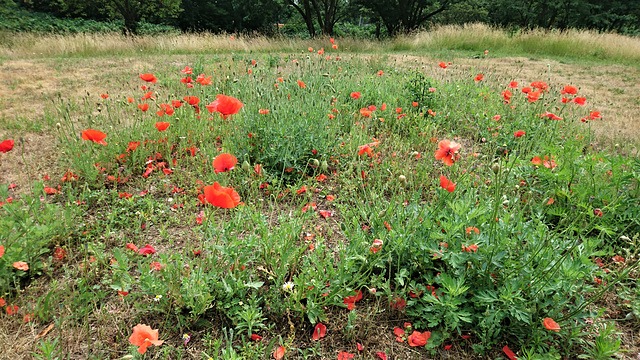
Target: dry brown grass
x: 577, y: 44
x: 569, y: 43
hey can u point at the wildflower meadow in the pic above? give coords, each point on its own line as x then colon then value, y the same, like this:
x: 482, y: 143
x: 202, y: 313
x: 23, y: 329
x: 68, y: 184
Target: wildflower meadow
x: 320, y: 204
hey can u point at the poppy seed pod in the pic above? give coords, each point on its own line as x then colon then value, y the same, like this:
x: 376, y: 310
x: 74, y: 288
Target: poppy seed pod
x: 402, y: 179
x: 245, y: 166
x: 324, y: 166
x: 495, y: 168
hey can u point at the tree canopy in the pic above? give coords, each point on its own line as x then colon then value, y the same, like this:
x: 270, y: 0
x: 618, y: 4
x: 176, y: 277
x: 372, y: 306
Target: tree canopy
x: 332, y: 17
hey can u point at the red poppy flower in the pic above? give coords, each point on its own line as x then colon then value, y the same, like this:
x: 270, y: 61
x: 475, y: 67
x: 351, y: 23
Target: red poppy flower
x: 132, y: 247
x: 2, y: 302
x: 540, y: 85
x: 319, y: 331
x: 513, y: 84
x: 143, y: 107
x: 365, y: 112
x: 12, y: 309
x: 533, y: 96
x: 594, y: 115
x: 191, y: 100
x: 263, y: 111
x: 279, y: 354
x: 448, y: 347
x: 443, y: 65
x: 536, y: 161
x: 415, y: 103
x: 21, y: 265
x: 350, y: 301
x: 302, y: 84
x: 383, y: 107
x: 479, y: 77
x: 382, y: 356
x: 162, y: 126
x: 143, y: 336
x: 356, y: 95
x: 224, y: 162
x: 221, y: 196
x: 551, y: 325
x: 104, y: 96
x: 569, y: 90
x: 526, y: 90
x: 147, y: 96
x: 148, y: 78
x: 418, y: 339
x: 147, y: 250
x: 165, y: 109
x: 1, y: 253
x: 474, y: 229
x: 129, y: 99
x: 580, y: 101
x: 133, y: 145
x: 447, y: 151
x: 447, y: 184
x: 6, y: 146
x: 225, y: 105
x: 95, y: 136
x: 551, y: 116
x: 597, y: 212
x: 345, y: 356
x: 187, y: 70
x: 176, y: 103
x: 519, y: 133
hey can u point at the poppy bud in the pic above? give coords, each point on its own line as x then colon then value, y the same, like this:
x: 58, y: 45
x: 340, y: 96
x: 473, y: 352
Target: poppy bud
x: 415, y: 153
x: 58, y: 125
x: 403, y: 180
x: 315, y: 162
x: 495, y: 168
x: 324, y: 166
x: 381, y: 214
x: 245, y: 166
x: 372, y: 291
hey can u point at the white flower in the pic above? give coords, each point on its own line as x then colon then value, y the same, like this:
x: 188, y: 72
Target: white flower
x: 288, y: 286
x: 158, y: 297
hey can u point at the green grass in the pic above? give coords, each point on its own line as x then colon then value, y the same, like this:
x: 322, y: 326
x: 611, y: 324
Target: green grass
x: 311, y: 210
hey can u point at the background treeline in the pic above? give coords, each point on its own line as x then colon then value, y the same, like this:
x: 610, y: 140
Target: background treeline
x: 359, y: 18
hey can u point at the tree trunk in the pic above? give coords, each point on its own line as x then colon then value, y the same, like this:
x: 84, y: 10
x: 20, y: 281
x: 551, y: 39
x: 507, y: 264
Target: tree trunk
x: 306, y: 15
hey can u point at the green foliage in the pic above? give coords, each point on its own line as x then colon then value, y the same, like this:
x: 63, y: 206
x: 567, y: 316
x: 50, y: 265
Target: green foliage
x: 493, y: 257
x: 29, y: 229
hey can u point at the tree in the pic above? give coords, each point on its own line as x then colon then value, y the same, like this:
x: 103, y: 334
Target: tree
x: 406, y: 15
x: 326, y: 13
x: 231, y: 15
x: 132, y: 11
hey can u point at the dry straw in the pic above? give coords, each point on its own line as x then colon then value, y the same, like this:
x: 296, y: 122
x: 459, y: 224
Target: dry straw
x: 473, y: 37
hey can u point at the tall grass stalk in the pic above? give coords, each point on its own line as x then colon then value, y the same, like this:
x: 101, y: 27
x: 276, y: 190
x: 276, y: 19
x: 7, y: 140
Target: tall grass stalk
x: 469, y: 37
